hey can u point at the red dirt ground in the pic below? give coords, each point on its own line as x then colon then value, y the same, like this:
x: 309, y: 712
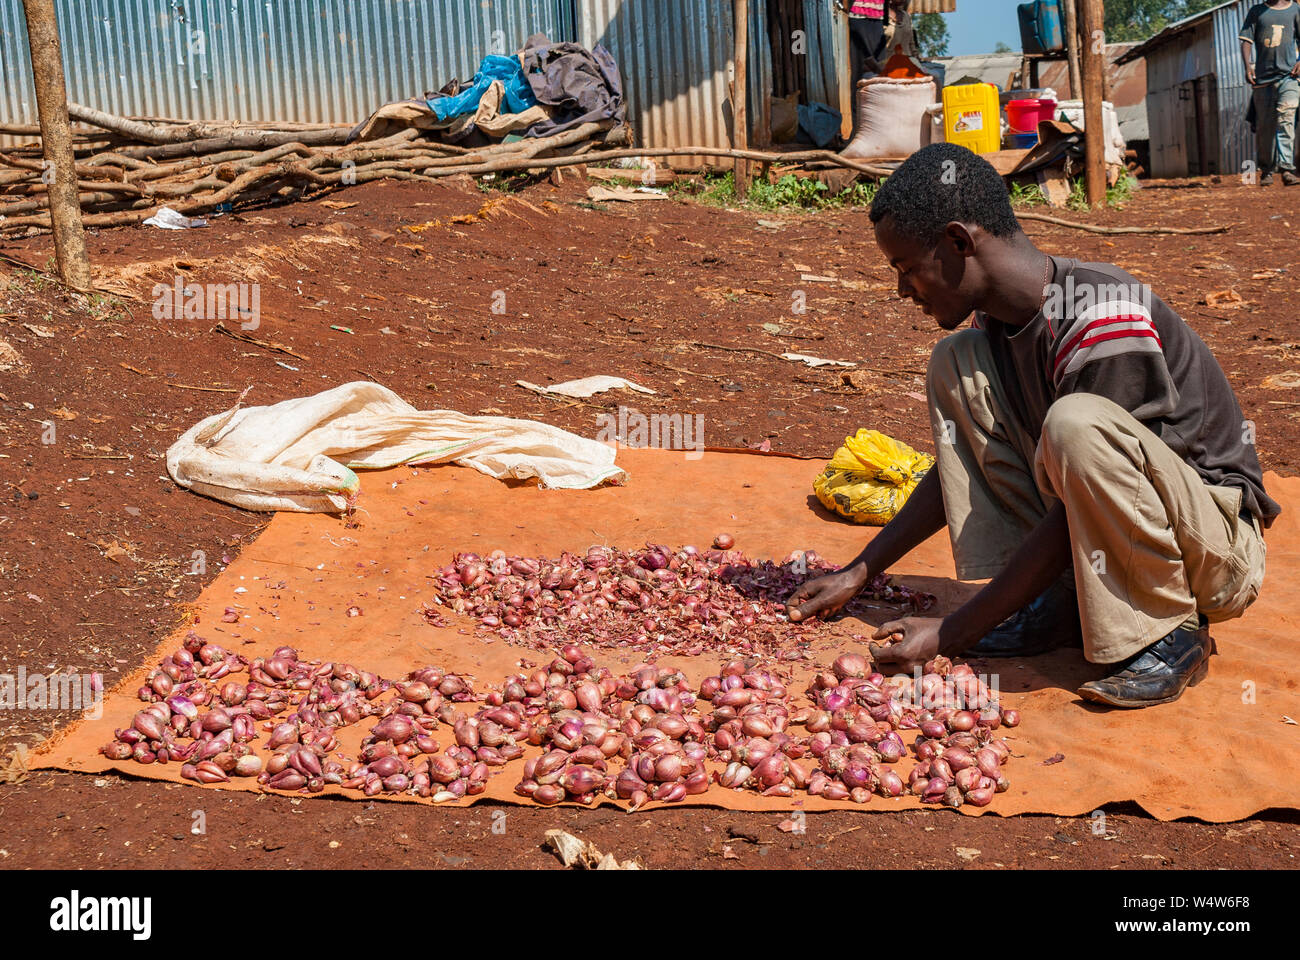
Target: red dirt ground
x: 97, y: 541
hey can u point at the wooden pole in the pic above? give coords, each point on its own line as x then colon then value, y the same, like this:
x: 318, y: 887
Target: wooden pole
x: 56, y: 141
x: 1093, y: 55
x: 1071, y: 12
x: 1107, y: 91
x: 740, y: 94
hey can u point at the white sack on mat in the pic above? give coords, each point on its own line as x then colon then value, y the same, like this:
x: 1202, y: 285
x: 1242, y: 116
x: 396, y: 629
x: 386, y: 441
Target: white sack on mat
x: 300, y: 454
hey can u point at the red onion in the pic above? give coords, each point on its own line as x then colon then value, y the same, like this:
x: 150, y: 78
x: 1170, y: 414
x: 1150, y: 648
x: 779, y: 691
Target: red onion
x: 988, y: 763
x: 835, y: 790
x: 890, y: 750
x: 117, y: 750
x: 980, y: 796
x: 958, y: 758
x: 848, y: 665
x: 249, y: 766
x: 891, y: 784
x: 962, y: 720
x: 148, y: 724
x: 396, y: 727
x: 932, y: 729
x: 857, y: 774
x: 208, y: 772
x: 548, y: 794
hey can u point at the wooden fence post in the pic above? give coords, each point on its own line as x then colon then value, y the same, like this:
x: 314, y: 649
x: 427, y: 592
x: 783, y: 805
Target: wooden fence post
x: 56, y: 141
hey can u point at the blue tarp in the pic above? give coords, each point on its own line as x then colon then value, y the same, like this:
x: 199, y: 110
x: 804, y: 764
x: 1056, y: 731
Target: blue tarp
x: 518, y: 94
x: 819, y: 123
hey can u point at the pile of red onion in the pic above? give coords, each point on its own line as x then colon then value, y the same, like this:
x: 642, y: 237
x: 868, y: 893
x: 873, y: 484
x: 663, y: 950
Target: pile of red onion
x: 641, y: 718
x: 856, y: 721
x: 751, y: 712
x: 640, y: 736
x: 654, y: 600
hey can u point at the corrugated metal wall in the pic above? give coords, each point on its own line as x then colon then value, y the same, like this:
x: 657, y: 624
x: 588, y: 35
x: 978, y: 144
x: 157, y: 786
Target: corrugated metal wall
x: 1184, y: 58
x: 1238, y: 140
x: 828, y: 57
x: 298, y: 60
x: 1210, y: 48
x: 336, y: 60
x: 675, y: 59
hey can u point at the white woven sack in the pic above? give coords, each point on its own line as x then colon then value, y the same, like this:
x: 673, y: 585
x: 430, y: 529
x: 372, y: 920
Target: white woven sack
x: 300, y: 454
x: 892, y: 119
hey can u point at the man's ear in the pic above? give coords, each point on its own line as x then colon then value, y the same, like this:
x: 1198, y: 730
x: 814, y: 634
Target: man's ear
x: 960, y: 238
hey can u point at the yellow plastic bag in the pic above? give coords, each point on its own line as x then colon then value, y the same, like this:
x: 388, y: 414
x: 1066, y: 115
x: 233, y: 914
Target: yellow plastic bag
x: 870, y: 477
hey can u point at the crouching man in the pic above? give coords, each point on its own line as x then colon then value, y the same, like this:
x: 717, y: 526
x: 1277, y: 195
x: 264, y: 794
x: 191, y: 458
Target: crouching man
x: 1091, y: 457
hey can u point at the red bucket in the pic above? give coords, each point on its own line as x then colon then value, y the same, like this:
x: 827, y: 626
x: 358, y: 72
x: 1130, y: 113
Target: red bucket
x: 1024, y: 115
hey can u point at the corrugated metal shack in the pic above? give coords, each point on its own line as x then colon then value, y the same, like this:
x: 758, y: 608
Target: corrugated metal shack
x: 292, y: 60
x: 1197, y: 95
x: 675, y: 57
x: 337, y: 60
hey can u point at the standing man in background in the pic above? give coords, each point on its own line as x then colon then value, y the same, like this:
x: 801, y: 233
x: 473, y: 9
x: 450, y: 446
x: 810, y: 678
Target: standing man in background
x: 866, y: 44
x: 866, y: 36
x: 1272, y: 30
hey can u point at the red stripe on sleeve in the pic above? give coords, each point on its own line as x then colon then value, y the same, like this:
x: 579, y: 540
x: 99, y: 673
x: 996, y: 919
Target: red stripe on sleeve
x: 1105, y: 321
x: 1117, y: 335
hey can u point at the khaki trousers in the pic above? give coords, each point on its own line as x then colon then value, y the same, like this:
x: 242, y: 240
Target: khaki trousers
x: 1152, y: 543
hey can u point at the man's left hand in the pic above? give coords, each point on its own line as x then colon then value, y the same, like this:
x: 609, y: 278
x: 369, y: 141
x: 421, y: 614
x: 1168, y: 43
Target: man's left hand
x: 916, y: 640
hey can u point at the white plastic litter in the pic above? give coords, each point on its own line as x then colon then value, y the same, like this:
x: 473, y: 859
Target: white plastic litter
x: 300, y: 454
x: 599, y: 193
x: 169, y: 219
x: 581, y: 389
x: 1073, y: 111
x: 816, y: 361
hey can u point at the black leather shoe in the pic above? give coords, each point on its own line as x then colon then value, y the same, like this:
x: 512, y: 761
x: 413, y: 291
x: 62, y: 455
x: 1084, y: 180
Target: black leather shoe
x: 1158, y: 674
x: 1048, y: 623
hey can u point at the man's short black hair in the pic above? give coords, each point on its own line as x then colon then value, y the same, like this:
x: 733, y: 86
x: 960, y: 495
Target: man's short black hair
x: 939, y: 184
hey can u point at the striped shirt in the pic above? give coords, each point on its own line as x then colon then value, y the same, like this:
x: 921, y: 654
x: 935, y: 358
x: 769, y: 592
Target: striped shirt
x: 1101, y: 331
x: 873, y: 9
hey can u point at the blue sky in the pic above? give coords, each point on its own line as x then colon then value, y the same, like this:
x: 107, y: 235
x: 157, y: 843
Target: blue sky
x: 978, y: 25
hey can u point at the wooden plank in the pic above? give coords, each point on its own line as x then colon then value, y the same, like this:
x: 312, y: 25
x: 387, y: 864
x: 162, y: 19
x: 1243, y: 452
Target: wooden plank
x: 1055, y: 187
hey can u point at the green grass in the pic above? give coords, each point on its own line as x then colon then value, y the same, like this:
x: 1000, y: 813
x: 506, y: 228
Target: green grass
x: 787, y: 193
x: 1122, y: 192
x: 1078, y: 199
x: 107, y: 308
x: 97, y: 306
x: 1027, y: 195
x: 24, y: 280
x: 505, y: 182
x: 1116, y: 196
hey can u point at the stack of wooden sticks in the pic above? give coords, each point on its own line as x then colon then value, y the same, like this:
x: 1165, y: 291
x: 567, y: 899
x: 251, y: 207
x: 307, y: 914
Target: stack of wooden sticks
x: 128, y: 169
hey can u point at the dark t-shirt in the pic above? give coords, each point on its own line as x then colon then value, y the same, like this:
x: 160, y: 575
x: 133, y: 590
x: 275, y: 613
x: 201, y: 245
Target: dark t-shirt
x: 1101, y: 331
x: 1273, y: 32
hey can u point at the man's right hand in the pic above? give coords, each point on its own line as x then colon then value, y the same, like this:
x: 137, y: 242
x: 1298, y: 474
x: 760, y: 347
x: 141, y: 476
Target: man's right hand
x: 1250, y: 74
x: 825, y: 595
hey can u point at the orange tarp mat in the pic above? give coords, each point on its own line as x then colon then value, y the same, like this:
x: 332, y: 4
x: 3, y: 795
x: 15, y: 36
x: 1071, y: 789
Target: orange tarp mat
x: 1222, y: 752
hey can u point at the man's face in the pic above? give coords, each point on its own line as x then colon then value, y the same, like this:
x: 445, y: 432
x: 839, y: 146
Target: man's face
x: 933, y: 279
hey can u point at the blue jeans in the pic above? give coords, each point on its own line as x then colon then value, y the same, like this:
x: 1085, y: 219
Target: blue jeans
x: 1275, y: 111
